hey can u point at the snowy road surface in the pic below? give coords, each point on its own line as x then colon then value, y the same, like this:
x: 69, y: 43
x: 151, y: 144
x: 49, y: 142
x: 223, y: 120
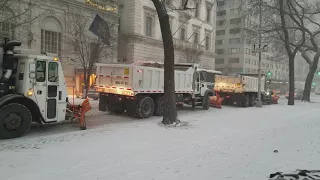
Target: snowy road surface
x: 231, y: 143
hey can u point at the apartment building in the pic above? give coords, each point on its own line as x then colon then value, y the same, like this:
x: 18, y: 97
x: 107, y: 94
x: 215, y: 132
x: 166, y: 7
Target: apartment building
x: 235, y: 44
x: 193, y: 32
x: 41, y: 26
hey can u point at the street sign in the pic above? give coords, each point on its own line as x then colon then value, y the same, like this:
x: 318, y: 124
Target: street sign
x: 260, y: 48
x: 100, y: 28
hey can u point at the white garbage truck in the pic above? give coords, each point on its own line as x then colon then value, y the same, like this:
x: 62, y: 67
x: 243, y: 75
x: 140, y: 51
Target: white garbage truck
x: 32, y: 89
x: 242, y: 90
x: 138, y: 88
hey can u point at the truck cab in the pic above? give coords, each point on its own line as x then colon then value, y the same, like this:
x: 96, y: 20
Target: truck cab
x: 32, y: 89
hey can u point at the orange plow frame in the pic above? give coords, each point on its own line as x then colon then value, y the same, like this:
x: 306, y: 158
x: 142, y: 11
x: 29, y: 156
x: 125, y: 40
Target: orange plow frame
x: 79, y: 112
x: 216, y: 101
x: 275, y: 99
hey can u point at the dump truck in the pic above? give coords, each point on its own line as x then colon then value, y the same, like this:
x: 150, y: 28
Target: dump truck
x: 32, y: 89
x: 242, y: 90
x: 138, y: 88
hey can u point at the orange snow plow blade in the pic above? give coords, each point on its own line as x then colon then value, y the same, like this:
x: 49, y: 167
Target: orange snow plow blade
x: 216, y: 101
x: 275, y: 99
x: 79, y: 112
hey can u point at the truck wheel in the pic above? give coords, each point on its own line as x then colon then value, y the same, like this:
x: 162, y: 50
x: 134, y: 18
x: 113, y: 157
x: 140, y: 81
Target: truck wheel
x: 246, y: 100
x: 115, y: 109
x: 252, y: 100
x: 179, y: 105
x: 15, y: 120
x: 145, y: 107
x: 158, y: 109
x: 206, y: 102
x: 193, y: 103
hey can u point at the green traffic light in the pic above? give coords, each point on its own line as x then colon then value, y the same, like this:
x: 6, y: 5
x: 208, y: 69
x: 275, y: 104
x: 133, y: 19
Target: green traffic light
x: 269, y: 73
x: 313, y: 83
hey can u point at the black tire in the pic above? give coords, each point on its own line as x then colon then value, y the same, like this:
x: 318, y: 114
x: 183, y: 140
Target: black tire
x: 158, y: 106
x: 179, y: 105
x: 145, y: 107
x: 246, y: 100
x: 206, y: 102
x: 193, y: 103
x: 252, y: 100
x: 20, y: 118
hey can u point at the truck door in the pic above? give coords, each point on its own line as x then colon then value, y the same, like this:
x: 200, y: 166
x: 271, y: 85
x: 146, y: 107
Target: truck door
x: 40, y: 88
x: 52, y: 89
x: 196, y: 82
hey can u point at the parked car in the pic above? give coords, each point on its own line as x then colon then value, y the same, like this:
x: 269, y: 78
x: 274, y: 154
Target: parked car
x: 317, y: 91
x: 298, y: 94
x: 93, y: 94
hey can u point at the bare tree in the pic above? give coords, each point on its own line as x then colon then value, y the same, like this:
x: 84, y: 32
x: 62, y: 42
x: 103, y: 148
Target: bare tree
x: 87, y: 48
x: 311, y: 26
x: 16, y: 17
x: 280, y: 28
x: 170, y: 115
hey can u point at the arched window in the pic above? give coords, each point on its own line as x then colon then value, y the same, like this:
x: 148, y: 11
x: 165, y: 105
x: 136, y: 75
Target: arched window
x: 51, y: 30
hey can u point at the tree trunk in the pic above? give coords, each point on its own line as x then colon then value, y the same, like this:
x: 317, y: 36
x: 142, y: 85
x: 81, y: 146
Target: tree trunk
x: 85, y: 83
x: 291, y: 80
x: 309, y: 79
x: 170, y: 115
x: 307, y: 85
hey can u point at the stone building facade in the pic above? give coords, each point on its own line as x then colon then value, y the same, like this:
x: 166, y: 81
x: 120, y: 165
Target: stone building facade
x: 41, y: 26
x: 193, y: 31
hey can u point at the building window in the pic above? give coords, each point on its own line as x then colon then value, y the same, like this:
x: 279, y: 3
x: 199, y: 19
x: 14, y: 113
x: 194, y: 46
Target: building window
x: 221, y: 13
x: 208, y: 19
x: 196, y: 37
x: 234, y: 12
x: 208, y: 41
x: 234, y: 50
x: 235, y: 21
x: 220, y: 32
x: 234, y: 31
x: 183, y: 2
x: 197, y: 10
x: 220, y: 61
x: 220, y: 3
x: 219, y: 42
x: 248, y: 51
x: 50, y: 42
x: 234, y: 60
x: 221, y: 23
x: 220, y: 51
x: 234, y: 41
x: 247, y: 61
x: 149, y: 26
x: 183, y: 34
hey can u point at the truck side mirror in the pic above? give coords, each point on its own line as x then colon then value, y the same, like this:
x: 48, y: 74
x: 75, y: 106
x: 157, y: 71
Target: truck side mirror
x: 32, y: 67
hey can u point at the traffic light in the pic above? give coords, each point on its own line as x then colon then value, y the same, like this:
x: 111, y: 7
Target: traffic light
x: 269, y: 74
x: 313, y: 83
x: 318, y: 72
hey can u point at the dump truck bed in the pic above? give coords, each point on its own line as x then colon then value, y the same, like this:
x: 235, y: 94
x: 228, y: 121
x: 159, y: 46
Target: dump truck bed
x: 131, y: 79
x: 239, y: 84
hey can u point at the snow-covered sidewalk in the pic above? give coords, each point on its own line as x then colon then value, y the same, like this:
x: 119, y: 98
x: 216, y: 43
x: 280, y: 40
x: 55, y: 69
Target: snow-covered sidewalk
x: 231, y: 143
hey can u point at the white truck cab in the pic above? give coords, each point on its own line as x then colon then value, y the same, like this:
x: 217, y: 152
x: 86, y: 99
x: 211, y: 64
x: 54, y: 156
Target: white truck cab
x: 32, y: 89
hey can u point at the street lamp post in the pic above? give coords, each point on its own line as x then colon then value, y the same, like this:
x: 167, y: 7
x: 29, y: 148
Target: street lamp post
x: 259, y: 104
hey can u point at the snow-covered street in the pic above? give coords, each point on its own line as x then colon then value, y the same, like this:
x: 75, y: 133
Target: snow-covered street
x: 230, y: 143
